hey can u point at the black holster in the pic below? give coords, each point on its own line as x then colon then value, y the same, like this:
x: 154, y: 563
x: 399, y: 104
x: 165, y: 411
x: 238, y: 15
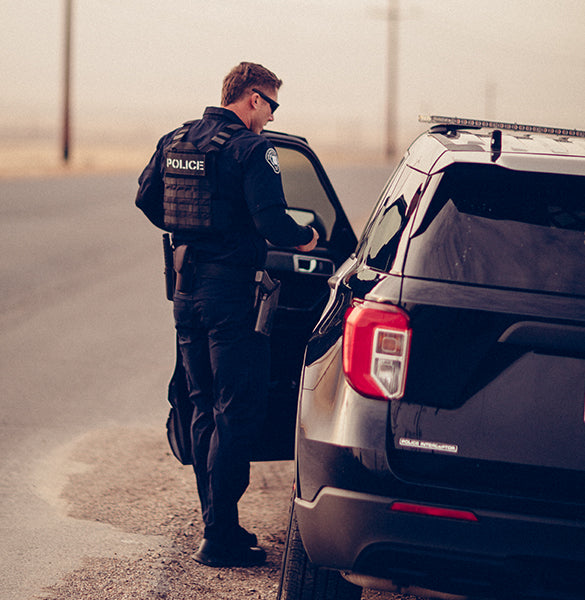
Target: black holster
x: 267, y: 293
x: 184, y: 266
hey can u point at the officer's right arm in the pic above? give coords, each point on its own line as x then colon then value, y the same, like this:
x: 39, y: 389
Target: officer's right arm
x: 280, y: 229
x: 265, y: 199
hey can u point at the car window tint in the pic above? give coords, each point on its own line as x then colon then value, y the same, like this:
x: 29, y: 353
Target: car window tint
x: 493, y: 226
x: 380, y: 203
x: 302, y: 188
x: 390, y: 221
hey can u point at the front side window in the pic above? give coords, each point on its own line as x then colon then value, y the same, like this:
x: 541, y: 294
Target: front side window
x: 303, y: 189
x: 493, y: 226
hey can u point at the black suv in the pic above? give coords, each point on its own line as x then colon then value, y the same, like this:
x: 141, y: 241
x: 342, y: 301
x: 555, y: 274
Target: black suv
x: 440, y: 437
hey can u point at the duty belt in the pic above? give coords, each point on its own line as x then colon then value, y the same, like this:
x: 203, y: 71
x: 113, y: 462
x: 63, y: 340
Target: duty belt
x: 221, y: 271
x: 186, y: 268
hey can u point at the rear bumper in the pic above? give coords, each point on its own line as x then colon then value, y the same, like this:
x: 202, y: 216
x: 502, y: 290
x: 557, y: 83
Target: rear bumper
x: 518, y: 555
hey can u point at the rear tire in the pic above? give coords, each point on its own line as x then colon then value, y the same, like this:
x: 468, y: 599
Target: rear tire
x: 302, y: 580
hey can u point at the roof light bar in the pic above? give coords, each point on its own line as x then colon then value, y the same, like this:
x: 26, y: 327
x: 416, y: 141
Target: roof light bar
x: 500, y: 125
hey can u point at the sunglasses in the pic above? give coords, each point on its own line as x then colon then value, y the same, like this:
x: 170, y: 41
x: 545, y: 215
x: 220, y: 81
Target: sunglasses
x: 273, y: 105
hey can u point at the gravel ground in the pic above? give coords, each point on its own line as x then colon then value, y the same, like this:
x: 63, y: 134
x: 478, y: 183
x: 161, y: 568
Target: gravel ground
x: 132, y: 482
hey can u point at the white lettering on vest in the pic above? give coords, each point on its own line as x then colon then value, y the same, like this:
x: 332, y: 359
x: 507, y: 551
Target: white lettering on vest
x: 189, y: 165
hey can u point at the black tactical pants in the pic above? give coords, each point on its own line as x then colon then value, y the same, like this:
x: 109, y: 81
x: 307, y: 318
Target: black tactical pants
x: 227, y: 367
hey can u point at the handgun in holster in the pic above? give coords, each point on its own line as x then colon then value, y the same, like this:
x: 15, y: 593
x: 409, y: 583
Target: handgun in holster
x: 267, y: 292
x: 184, y: 267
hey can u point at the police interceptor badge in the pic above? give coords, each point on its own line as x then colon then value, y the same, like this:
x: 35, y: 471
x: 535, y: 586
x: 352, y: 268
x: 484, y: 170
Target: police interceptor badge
x: 424, y: 445
x: 272, y: 160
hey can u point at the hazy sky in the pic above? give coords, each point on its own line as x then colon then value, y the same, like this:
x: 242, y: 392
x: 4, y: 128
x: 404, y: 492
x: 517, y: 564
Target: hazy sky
x: 143, y: 66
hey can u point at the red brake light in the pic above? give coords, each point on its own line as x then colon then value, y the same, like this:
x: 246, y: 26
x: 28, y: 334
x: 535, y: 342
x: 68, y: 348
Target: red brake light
x: 376, y: 340
x: 433, y: 511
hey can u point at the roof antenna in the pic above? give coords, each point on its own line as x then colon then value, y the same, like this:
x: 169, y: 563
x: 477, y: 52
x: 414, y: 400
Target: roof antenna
x: 496, y: 144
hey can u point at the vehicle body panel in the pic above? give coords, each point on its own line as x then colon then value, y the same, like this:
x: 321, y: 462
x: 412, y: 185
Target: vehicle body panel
x: 465, y: 558
x: 492, y: 421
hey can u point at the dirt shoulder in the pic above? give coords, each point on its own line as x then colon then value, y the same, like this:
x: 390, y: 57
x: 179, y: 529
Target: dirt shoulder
x: 132, y: 482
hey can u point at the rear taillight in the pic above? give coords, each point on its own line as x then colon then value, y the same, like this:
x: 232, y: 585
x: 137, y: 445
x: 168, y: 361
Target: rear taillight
x: 376, y: 340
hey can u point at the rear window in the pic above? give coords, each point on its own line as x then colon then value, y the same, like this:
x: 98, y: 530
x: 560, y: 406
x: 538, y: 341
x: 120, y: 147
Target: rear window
x: 492, y: 226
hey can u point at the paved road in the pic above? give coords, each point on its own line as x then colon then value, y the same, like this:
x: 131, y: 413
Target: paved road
x: 86, y: 343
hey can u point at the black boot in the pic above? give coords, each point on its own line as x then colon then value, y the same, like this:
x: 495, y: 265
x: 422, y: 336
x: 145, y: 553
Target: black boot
x: 215, y: 554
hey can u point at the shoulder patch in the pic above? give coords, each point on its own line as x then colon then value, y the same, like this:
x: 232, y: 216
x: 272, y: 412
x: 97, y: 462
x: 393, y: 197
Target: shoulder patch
x: 272, y: 160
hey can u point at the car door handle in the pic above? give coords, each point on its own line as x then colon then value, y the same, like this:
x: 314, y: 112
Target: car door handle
x: 304, y: 264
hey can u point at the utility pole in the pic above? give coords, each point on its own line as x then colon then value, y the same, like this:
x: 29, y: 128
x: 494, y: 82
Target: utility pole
x: 67, y: 81
x: 393, y: 19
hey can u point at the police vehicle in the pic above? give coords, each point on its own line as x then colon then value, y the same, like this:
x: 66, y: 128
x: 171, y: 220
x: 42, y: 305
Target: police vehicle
x: 440, y: 430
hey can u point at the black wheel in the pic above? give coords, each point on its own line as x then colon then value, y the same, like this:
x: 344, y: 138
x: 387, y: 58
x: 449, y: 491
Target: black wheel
x: 301, y: 580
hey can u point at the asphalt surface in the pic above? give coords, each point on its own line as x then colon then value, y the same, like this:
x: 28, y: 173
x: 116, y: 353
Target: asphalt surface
x: 86, y: 344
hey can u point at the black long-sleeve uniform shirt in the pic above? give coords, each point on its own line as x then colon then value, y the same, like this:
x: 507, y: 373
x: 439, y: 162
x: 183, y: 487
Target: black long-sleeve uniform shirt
x: 249, y: 176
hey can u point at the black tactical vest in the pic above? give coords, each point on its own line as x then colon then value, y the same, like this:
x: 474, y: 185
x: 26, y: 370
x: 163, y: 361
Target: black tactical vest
x: 191, y: 199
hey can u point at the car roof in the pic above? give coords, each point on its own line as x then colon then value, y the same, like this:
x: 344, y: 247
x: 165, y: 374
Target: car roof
x: 279, y: 136
x: 520, y: 147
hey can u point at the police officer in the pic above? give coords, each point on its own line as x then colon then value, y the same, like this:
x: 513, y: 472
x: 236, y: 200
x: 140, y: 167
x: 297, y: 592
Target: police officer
x: 215, y: 184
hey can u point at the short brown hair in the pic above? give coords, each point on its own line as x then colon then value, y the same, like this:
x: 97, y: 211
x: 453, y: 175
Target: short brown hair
x: 242, y: 78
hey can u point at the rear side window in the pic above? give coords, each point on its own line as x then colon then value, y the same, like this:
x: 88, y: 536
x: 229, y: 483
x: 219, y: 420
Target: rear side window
x: 492, y: 226
x: 391, y: 219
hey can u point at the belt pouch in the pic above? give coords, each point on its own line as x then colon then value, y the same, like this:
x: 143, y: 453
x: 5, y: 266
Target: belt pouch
x: 184, y: 268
